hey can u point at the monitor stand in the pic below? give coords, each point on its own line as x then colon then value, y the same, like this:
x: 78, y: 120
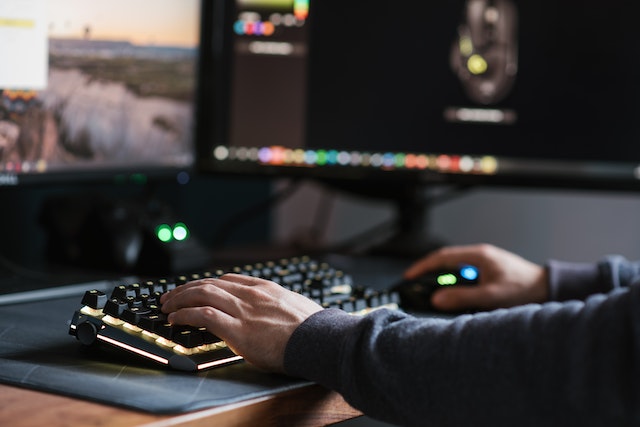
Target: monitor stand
x: 409, y: 236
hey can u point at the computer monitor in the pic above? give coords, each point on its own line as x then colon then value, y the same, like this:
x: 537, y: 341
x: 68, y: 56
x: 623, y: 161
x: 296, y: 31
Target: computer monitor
x: 94, y: 94
x: 401, y: 96
x: 98, y: 90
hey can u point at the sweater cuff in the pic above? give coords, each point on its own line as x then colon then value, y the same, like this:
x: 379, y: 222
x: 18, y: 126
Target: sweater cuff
x: 573, y: 280
x: 319, y: 335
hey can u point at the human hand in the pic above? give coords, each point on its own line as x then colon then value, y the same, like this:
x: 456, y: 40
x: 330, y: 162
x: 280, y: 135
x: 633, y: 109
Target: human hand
x: 506, y: 279
x: 254, y: 316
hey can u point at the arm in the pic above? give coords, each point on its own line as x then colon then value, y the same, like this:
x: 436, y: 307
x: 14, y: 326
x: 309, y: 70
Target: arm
x: 579, y: 280
x: 569, y: 363
x: 507, y: 280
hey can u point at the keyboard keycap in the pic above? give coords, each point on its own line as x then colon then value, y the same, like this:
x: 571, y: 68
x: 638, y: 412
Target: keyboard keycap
x: 130, y: 318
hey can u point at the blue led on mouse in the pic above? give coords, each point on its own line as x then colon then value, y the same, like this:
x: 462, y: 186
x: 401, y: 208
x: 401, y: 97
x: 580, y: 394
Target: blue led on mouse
x: 469, y: 272
x: 416, y: 293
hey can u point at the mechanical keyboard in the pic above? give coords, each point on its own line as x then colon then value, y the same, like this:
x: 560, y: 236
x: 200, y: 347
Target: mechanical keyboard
x: 130, y: 318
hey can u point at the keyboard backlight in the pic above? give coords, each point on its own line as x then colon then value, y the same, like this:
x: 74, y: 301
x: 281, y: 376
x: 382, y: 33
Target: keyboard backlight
x: 341, y: 289
x: 112, y: 320
x: 184, y: 350
x: 151, y: 335
x: 93, y: 312
x: 165, y: 342
x: 219, y: 362
x: 133, y: 349
x: 131, y: 327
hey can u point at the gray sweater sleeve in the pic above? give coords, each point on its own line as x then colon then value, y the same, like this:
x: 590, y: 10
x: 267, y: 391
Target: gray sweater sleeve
x: 579, y: 280
x: 570, y: 363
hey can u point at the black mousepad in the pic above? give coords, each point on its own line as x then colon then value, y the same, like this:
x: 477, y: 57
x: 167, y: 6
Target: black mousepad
x: 37, y: 352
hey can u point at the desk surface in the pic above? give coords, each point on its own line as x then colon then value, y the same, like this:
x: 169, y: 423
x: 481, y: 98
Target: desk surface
x: 308, y: 406
x: 38, y: 354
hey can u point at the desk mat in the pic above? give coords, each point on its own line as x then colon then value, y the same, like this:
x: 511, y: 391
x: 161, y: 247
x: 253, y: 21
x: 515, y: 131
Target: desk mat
x: 37, y: 352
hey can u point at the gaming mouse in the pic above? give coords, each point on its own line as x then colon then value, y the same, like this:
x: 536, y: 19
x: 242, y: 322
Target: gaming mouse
x: 415, y: 294
x: 484, y: 54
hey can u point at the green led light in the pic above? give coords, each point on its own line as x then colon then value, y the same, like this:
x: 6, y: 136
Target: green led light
x: 139, y: 178
x: 180, y: 232
x: 400, y: 160
x: 447, y: 279
x: 322, y: 157
x: 164, y: 233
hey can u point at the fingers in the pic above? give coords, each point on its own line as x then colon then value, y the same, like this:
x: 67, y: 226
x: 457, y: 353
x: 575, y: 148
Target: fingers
x: 219, y: 292
x: 448, y: 257
x: 255, y: 317
x: 194, y: 294
x: 464, y: 298
x: 215, y: 303
x: 216, y: 321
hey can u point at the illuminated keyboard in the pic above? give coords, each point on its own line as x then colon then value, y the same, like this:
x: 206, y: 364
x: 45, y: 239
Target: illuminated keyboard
x: 130, y: 318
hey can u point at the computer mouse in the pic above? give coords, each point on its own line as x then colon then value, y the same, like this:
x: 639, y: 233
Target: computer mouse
x: 415, y: 294
x: 484, y: 54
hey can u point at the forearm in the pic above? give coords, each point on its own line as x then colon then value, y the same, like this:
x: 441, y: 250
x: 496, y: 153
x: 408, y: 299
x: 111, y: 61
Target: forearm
x: 560, y: 364
x: 569, y: 280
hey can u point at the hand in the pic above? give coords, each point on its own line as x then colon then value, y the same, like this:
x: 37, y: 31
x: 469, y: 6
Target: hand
x: 506, y: 279
x: 254, y: 316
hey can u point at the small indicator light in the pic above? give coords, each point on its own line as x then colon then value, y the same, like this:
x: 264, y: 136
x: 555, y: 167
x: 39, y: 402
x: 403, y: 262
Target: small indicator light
x: 469, y: 272
x: 180, y: 232
x: 447, y: 279
x: 477, y: 64
x: 164, y: 233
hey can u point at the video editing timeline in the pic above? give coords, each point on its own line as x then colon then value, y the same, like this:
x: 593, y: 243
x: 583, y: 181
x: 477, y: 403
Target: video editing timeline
x: 115, y: 93
x: 282, y: 156
x: 269, y: 63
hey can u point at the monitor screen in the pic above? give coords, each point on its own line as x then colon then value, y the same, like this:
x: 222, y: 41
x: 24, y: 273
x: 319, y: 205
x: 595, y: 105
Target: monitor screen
x: 508, y: 92
x: 101, y: 89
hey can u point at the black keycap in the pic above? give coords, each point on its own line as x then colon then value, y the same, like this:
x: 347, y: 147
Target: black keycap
x: 188, y: 338
x: 132, y: 314
x: 114, y: 307
x: 94, y: 299
x: 151, y: 322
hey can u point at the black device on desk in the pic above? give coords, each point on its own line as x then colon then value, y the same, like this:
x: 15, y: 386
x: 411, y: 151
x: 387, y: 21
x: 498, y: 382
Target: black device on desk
x: 415, y: 294
x: 129, y: 318
x: 125, y: 235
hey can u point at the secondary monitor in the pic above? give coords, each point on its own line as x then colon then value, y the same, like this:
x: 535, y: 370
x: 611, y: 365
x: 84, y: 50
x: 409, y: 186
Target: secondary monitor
x: 97, y: 90
x: 98, y: 98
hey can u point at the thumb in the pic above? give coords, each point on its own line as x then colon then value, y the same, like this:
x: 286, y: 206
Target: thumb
x: 460, y: 298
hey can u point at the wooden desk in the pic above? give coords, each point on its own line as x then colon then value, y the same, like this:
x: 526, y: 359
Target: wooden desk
x: 308, y: 406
